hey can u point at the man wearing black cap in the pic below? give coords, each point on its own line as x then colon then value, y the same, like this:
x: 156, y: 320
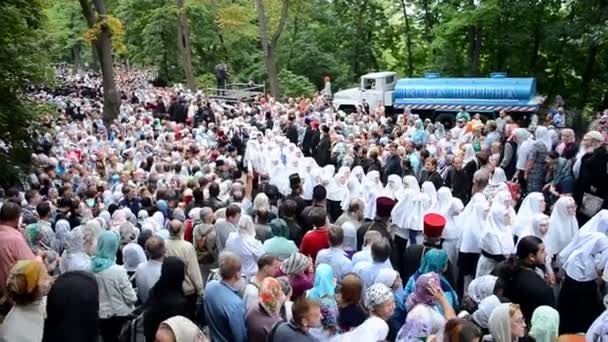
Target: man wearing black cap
x: 296, y: 192
x: 319, y: 195
x: 382, y: 224
x: 433, y: 229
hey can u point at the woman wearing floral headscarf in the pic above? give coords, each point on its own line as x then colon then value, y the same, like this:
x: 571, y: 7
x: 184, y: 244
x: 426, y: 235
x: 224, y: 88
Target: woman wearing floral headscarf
x: 436, y: 261
x: 324, y: 292
x: 423, y: 319
x: 261, y: 317
x: 25, y: 287
x: 381, y: 304
x: 391, y: 279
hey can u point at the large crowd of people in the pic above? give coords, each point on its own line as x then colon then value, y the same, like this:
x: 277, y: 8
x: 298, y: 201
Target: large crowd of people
x: 187, y: 219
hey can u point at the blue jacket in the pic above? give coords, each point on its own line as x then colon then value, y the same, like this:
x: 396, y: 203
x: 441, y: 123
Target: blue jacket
x: 225, y: 313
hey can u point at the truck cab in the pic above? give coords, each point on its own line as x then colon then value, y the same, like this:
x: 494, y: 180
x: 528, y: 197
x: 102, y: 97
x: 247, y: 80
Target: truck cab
x: 374, y: 88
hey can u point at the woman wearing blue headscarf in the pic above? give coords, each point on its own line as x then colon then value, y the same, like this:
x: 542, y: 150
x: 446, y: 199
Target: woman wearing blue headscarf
x: 116, y: 295
x: 419, y: 136
x: 435, y: 260
x: 324, y: 292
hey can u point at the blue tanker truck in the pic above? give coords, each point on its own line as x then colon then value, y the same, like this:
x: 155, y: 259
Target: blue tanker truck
x: 440, y: 98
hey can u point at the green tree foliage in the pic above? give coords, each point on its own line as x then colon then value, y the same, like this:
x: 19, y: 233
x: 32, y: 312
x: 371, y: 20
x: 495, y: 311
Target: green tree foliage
x: 22, y: 64
x: 560, y: 42
x: 295, y: 85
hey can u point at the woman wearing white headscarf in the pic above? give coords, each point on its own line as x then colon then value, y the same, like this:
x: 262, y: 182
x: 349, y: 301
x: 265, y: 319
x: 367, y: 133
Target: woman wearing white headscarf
x: 310, y: 171
x: 598, y: 223
x: 583, y: 260
x: 450, y: 207
x: 481, y: 316
x: 354, y: 188
x: 472, y: 221
x: 497, y: 242
x: 74, y: 257
x: 430, y: 204
x: 394, y: 187
x: 562, y: 225
x: 533, y: 204
x: 408, y: 214
x: 498, y: 178
x: 337, y: 191
x: 62, y: 228
x: 246, y: 246
x: 507, y: 324
x: 481, y: 288
x: 372, y: 187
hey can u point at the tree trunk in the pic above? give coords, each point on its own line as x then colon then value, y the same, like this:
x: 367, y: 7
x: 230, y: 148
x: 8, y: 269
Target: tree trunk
x: 103, y: 47
x: 588, y: 75
x: 408, y: 41
x: 428, y: 21
x: 183, y: 42
x: 269, y: 46
x: 294, y: 35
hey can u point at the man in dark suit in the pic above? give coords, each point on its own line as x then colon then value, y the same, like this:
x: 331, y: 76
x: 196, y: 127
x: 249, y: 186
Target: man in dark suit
x: 322, y: 154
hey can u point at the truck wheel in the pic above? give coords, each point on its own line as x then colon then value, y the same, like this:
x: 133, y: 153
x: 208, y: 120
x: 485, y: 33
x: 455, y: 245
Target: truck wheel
x: 348, y: 109
x: 447, y: 119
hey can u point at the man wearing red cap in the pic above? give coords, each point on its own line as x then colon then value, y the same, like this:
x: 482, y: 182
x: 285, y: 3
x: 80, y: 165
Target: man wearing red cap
x: 433, y: 228
x: 382, y: 224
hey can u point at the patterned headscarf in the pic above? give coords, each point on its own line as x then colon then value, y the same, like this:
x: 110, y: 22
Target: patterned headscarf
x: 25, y: 277
x: 421, y: 294
x: 297, y: 263
x: 545, y: 324
x: 377, y: 294
x: 271, y: 295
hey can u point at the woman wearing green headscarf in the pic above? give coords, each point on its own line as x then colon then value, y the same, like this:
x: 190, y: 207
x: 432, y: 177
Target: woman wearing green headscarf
x: 116, y: 295
x: 435, y: 260
x: 279, y: 245
x: 545, y: 324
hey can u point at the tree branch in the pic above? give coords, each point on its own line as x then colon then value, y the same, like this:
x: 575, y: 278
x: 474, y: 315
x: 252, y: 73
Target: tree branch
x: 282, y: 21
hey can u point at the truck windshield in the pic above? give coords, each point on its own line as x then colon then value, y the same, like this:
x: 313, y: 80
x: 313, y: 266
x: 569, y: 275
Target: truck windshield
x: 369, y: 84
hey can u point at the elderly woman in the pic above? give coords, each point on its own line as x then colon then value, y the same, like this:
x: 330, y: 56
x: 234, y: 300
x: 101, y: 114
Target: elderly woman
x: 423, y: 319
x: 381, y: 304
x: 324, y: 292
x: 26, y: 286
x: 246, y: 246
x: 33, y: 235
x: 116, y: 295
x: 75, y: 257
x: 261, y: 317
x: 299, y: 270
x: 280, y: 245
x: 391, y: 279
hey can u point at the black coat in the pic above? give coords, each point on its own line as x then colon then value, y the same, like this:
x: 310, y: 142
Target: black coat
x: 292, y: 134
x: 162, y: 309
x: 593, y: 173
x: 393, y: 166
x: 307, y: 141
x: 322, y: 154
